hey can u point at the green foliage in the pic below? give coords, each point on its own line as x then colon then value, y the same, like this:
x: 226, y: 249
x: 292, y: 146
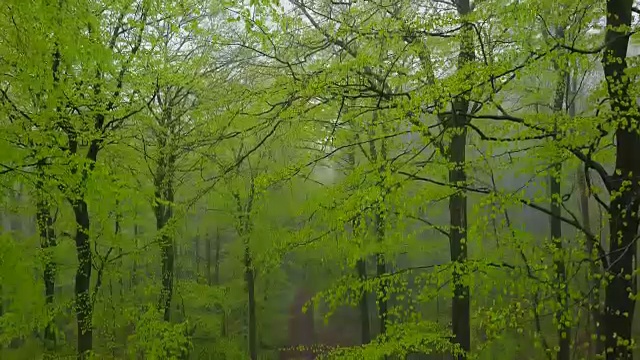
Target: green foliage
x: 158, y: 339
x: 290, y: 144
x: 25, y: 312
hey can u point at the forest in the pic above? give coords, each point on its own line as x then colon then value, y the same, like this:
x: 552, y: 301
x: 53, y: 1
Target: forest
x: 319, y: 179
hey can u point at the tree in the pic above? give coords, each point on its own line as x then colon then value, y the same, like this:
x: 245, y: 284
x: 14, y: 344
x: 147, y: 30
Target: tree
x: 89, y: 95
x: 623, y: 185
x: 177, y: 129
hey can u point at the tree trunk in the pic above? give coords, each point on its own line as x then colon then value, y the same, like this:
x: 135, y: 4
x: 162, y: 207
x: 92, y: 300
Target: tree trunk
x: 167, y: 254
x: 379, y: 226
x: 458, y: 250
x: 624, y: 184
x: 5, y: 228
x: 460, y: 307
x: 365, y: 326
x: 564, y: 330
x: 83, y: 300
x: 163, y: 211
x: 361, y: 266
x: 250, y: 279
x: 119, y: 251
x: 134, y: 270
x: 197, y: 255
x: 83, y: 303
x: 594, y: 284
x: 216, y: 277
x: 44, y: 222
x: 381, y: 270
x: 208, y: 260
x: 244, y: 228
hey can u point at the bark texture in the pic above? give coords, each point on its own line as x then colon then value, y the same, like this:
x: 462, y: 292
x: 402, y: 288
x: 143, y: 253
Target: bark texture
x: 457, y: 122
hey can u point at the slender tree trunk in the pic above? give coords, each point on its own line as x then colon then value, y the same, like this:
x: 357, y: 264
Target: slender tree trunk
x: 365, y: 325
x: 178, y: 271
x: 208, y: 261
x: 458, y: 237
x: 216, y: 277
x: 457, y: 122
x: 564, y: 330
x: 4, y: 229
x: 594, y: 284
x: 83, y: 303
x: 134, y: 266
x: 381, y: 270
x: 379, y: 226
x: 251, y: 290
x: 44, y: 222
x: 167, y: 253
x: 197, y: 255
x: 361, y: 266
x: 624, y: 184
x: 48, y: 242
x: 250, y: 278
x: 117, y: 229
x: 164, y: 194
x: 244, y: 229
x: 164, y: 213
x: 595, y: 316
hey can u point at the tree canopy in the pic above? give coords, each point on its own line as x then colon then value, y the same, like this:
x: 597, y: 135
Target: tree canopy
x: 334, y: 179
